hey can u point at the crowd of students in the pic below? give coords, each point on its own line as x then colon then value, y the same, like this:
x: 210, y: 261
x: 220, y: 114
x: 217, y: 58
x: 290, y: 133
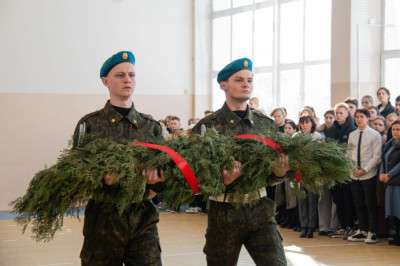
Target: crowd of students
x: 367, y: 206
x: 360, y: 210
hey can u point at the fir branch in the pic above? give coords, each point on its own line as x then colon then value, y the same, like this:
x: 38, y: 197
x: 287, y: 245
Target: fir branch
x: 78, y: 175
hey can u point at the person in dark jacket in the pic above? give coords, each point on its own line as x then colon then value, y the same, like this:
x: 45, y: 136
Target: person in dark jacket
x: 385, y: 107
x: 341, y: 193
x: 389, y: 173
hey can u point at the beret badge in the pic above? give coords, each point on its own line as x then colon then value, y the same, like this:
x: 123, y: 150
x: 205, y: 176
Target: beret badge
x: 124, y: 56
x: 246, y: 63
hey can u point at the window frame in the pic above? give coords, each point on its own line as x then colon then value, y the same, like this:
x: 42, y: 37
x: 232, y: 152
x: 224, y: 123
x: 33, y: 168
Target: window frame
x: 276, y: 67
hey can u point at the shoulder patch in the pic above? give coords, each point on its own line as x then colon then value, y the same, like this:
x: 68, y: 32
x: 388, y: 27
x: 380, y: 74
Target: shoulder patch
x: 258, y: 113
x: 147, y: 117
x: 86, y: 117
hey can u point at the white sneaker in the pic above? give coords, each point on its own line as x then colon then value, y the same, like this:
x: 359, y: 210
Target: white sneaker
x: 371, y: 238
x: 194, y: 210
x: 358, y: 236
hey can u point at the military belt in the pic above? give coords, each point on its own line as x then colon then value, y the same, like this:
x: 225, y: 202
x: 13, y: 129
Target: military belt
x: 225, y: 198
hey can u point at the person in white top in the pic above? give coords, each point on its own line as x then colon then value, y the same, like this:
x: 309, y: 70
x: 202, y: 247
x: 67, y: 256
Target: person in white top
x: 366, y: 152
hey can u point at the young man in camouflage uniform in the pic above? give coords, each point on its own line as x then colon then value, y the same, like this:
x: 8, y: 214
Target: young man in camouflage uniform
x: 132, y: 237
x: 255, y: 227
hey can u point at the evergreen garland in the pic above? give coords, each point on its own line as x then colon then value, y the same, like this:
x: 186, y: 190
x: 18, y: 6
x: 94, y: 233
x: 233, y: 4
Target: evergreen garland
x: 78, y: 175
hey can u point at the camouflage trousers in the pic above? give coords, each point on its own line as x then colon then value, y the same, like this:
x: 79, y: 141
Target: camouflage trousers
x: 254, y: 227
x: 113, y: 239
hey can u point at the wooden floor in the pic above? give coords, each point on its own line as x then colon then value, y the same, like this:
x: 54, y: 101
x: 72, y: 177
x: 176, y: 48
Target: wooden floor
x: 182, y: 240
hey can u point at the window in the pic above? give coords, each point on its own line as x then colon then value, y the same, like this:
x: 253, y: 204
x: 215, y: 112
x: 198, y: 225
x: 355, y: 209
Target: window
x: 289, y: 43
x: 391, y: 47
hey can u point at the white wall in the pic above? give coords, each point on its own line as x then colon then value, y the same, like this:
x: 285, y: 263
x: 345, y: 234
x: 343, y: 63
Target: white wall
x: 58, y: 46
x: 51, y: 52
x: 346, y: 14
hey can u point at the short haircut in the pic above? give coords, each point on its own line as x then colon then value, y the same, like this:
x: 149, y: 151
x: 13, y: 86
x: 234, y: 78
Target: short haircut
x: 280, y: 109
x: 208, y: 112
x: 292, y: 123
x: 379, y: 117
x: 192, y: 119
x: 168, y: 117
x: 351, y: 100
x: 385, y: 89
x: 254, y: 99
x: 398, y: 99
x: 375, y: 108
x: 306, y: 119
x: 363, y: 111
x: 341, y: 105
x: 330, y: 112
x: 175, y: 118
x: 369, y: 97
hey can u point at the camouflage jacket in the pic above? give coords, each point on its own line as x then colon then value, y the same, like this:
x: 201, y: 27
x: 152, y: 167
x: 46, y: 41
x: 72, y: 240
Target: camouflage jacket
x: 108, y: 123
x: 228, y: 123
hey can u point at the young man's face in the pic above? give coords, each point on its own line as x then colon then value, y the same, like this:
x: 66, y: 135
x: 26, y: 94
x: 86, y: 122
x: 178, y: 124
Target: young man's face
x: 341, y: 115
x: 121, y: 81
x: 174, y: 125
x: 361, y: 120
x: 279, y: 118
x: 352, y: 109
x: 253, y: 104
x: 373, y: 113
x: 239, y: 86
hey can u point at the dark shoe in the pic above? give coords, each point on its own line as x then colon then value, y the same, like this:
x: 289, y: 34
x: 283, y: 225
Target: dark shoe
x: 297, y: 229
x: 310, y: 233
x: 395, y: 241
x: 303, y: 233
x: 323, y: 233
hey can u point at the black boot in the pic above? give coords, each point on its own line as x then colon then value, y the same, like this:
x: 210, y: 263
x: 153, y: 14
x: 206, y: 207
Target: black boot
x: 396, y: 239
x: 303, y: 233
x: 310, y: 233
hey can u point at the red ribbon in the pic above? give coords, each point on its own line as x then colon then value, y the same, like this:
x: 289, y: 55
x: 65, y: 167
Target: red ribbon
x: 180, y: 162
x: 272, y: 144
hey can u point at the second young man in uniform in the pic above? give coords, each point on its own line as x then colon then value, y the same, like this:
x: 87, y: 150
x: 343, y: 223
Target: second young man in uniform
x: 255, y: 227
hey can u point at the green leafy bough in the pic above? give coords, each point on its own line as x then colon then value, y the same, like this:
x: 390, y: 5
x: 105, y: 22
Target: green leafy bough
x: 78, y: 174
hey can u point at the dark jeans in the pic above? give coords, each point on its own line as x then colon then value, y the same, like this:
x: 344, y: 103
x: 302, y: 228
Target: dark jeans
x: 308, y: 209
x: 254, y: 227
x: 341, y: 194
x: 364, y: 198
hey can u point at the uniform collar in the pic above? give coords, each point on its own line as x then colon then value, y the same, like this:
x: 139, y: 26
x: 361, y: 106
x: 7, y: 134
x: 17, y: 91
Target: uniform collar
x: 114, y: 117
x: 232, y: 119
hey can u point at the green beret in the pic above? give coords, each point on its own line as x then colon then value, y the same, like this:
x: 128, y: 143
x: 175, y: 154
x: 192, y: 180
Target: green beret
x: 233, y: 67
x: 123, y: 56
